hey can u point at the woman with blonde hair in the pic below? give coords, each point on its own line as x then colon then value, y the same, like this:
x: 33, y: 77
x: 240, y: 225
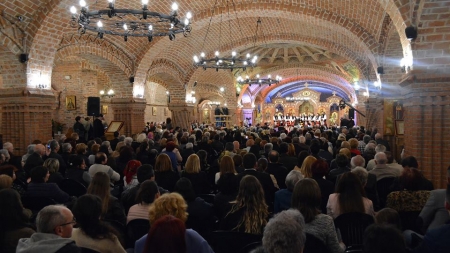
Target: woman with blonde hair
x: 164, y: 174
x: 226, y: 166
x: 248, y: 213
x: 173, y: 204
x: 116, y: 152
x: 111, y: 207
x: 306, y: 166
x: 198, y: 178
x: 52, y: 164
x: 81, y: 150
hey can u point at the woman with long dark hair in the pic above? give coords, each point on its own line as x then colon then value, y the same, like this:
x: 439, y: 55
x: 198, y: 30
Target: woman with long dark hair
x: 349, y: 197
x: 306, y: 198
x: 92, y: 232
x: 248, y: 212
x: 13, y: 221
x: 111, y: 207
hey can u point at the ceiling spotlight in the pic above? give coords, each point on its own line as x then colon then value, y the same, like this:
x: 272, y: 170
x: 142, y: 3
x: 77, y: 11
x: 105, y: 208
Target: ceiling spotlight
x: 125, y: 38
x: 150, y: 38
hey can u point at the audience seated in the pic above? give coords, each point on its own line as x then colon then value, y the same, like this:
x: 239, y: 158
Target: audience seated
x: 76, y: 170
x: 284, y: 233
x: 248, y: 213
x: 54, y: 225
x: 92, y: 232
x: 192, y: 171
x: 172, y: 204
x: 245, y: 188
x: 383, y: 238
x: 14, y: 221
x: 283, y: 197
x: 165, y: 176
x: 306, y: 198
x: 349, y: 197
x: 147, y: 193
x: 38, y: 187
x: 111, y: 207
x: 201, y: 215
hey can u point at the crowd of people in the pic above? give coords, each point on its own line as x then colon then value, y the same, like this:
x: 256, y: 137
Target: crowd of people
x: 287, y: 186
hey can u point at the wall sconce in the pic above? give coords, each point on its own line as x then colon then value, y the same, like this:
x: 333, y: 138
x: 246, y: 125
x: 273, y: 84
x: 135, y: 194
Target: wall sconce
x: 108, y: 94
x: 168, y: 96
x: 42, y: 86
x: 222, y: 89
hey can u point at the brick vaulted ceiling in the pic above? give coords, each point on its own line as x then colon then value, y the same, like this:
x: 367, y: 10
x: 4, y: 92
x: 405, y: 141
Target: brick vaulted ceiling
x: 324, y: 39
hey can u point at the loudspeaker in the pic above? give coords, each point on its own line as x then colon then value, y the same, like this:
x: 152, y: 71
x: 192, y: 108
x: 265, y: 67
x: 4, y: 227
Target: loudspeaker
x: 380, y: 70
x: 411, y: 32
x: 131, y: 79
x: 93, y: 106
x: 23, y: 58
x: 351, y: 113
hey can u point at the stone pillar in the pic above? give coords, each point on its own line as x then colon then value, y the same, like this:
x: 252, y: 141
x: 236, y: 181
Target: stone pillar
x: 182, y: 114
x: 427, y: 123
x: 131, y: 111
x: 374, y: 114
x: 26, y: 116
x: 237, y: 118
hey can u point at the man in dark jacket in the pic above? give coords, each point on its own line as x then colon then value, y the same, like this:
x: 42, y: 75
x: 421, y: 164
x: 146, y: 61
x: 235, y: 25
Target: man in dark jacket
x: 277, y: 169
x: 79, y: 128
x: 99, y: 130
x: 249, y: 163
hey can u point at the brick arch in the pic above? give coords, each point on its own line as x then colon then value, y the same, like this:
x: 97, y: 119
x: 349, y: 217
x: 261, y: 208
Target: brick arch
x: 163, y: 66
x: 323, y: 76
x: 72, y: 44
x: 359, y: 58
x: 371, y: 47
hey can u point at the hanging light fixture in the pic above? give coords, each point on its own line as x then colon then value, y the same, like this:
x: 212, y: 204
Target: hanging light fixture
x: 258, y: 80
x: 217, y: 61
x: 110, y: 93
x: 130, y: 22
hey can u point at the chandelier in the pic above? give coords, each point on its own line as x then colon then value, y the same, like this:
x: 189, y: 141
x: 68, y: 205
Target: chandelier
x: 130, y: 22
x: 216, y: 61
x: 260, y: 81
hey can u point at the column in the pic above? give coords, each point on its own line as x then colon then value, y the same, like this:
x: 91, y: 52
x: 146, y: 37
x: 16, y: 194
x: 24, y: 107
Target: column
x: 26, y: 116
x: 427, y: 124
x: 182, y: 114
x: 131, y: 111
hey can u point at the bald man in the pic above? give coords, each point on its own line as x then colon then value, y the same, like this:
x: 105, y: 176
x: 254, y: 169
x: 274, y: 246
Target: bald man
x: 35, y: 159
x: 381, y: 169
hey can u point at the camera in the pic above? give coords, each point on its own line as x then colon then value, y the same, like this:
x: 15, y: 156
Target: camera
x: 48, y: 146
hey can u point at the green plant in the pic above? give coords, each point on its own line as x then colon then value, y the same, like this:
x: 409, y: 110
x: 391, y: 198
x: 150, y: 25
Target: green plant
x: 57, y: 126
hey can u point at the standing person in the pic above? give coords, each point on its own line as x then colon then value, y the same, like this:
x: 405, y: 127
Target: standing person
x: 88, y: 127
x: 99, y: 130
x: 79, y: 129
